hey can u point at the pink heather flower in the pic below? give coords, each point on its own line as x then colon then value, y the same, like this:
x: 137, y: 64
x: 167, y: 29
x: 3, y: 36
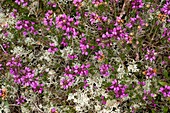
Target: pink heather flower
x: 104, y: 70
x: 77, y: 3
x: 165, y: 91
x: 13, y: 14
x: 150, y: 55
x: 97, y: 2
x: 1, y: 67
x: 53, y: 110
x: 142, y: 83
x: 103, y: 100
x: 84, y: 46
x: 64, y: 43
x: 149, y: 98
x: 137, y: 4
x: 66, y: 82
x: 166, y: 33
x: 72, y: 57
x: 52, y: 4
x: 1, y: 92
x: 150, y: 72
x: 48, y: 20
x: 52, y: 48
x: 99, y: 55
x: 70, y: 72
x: 22, y: 2
x: 85, y: 84
x: 26, y: 26
x: 118, y: 89
x: 166, y: 8
x: 93, y: 18
x: 21, y: 100
x: 84, y: 70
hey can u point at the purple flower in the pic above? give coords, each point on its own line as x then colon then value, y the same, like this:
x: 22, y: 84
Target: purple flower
x: 23, y: 2
x: 142, y: 83
x: 99, y: 56
x: 53, y: 110
x: 21, y: 100
x: 64, y: 43
x: 118, y: 89
x: 85, y: 84
x: 72, y: 57
x: 97, y: 2
x: 52, y: 4
x: 48, y: 20
x: 166, y: 8
x: 150, y: 72
x: 27, y: 26
x: 137, y: 4
x: 104, y: 70
x: 77, y: 3
x: 84, y: 46
x: 66, y: 82
x: 1, y: 67
x: 150, y: 55
x: 52, y: 48
x: 93, y: 18
x: 149, y: 98
x: 165, y: 91
x: 13, y: 14
x: 103, y: 100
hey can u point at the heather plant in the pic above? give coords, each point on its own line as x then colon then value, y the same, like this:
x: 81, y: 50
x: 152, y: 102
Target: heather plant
x: 84, y: 56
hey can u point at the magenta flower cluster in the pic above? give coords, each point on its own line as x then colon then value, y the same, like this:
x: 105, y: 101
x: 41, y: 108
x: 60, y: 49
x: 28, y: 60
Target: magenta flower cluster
x: 84, y: 46
x: 21, y: 100
x: 98, y: 55
x: 1, y: 67
x: 66, y: 24
x: 165, y: 91
x: 85, y: 84
x: 150, y: 55
x: 52, y: 48
x: 52, y: 4
x: 24, y: 75
x: 22, y: 2
x: 116, y: 33
x: 77, y: 3
x: 26, y: 26
x: 1, y: 92
x: 66, y: 82
x: 53, y: 110
x: 118, y: 89
x: 64, y: 42
x: 137, y: 4
x: 150, y: 72
x: 72, y: 57
x: 166, y: 33
x: 135, y: 21
x: 166, y: 8
x: 97, y: 2
x: 70, y: 74
x: 149, y: 98
x: 14, y: 13
x: 104, y: 70
x: 48, y: 20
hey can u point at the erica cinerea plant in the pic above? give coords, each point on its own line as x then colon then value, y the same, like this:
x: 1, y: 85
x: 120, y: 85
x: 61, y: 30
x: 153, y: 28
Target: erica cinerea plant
x: 80, y: 56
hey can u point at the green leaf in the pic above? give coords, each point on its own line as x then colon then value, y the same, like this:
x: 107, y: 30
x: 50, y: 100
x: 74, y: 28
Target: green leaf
x: 165, y: 109
x: 153, y: 111
x: 165, y: 73
x: 163, y: 83
x: 6, y: 103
